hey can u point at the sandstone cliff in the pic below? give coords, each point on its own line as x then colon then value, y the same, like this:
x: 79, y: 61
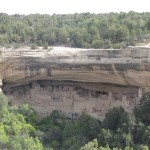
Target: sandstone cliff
x: 75, y: 80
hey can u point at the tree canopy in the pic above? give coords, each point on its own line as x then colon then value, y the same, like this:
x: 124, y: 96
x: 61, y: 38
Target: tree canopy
x: 85, y: 30
x: 15, y: 132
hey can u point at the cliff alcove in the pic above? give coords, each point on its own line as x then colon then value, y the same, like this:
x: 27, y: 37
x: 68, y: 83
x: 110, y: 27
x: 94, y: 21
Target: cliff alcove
x: 74, y: 80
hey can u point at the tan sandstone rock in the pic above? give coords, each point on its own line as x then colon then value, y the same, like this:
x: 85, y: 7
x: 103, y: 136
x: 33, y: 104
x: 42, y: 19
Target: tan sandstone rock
x: 75, y: 80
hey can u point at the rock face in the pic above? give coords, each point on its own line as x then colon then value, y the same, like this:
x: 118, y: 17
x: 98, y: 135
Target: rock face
x: 77, y: 80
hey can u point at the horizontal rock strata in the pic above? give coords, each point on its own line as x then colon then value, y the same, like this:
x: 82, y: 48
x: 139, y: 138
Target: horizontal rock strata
x: 75, y: 80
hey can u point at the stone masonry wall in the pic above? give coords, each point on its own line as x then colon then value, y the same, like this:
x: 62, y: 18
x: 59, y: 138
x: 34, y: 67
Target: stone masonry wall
x: 71, y: 98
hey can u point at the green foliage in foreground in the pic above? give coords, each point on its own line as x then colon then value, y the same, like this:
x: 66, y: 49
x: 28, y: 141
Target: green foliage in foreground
x: 118, y: 131
x: 93, y: 145
x: 15, y: 132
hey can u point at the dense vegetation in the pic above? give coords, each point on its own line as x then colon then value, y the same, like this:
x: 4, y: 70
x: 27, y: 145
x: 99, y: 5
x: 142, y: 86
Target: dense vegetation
x: 111, y: 30
x: 20, y: 129
x: 15, y: 132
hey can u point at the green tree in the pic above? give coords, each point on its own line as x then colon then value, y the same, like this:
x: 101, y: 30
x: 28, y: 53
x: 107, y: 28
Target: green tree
x: 28, y: 113
x: 97, y: 44
x: 93, y: 145
x: 15, y: 132
x: 142, y: 112
x: 148, y: 25
x: 105, y: 137
x: 62, y: 36
x: 115, y: 118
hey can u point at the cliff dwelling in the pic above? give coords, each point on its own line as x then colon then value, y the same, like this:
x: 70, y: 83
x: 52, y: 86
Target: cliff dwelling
x: 73, y: 98
x: 72, y: 81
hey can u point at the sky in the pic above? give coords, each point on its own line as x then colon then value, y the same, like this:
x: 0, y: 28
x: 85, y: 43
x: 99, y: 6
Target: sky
x: 72, y: 6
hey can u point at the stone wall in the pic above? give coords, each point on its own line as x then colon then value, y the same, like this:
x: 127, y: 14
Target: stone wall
x: 73, y: 98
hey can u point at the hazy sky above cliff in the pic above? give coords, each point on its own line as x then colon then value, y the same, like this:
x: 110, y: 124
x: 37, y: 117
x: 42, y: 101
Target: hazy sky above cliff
x: 72, y: 6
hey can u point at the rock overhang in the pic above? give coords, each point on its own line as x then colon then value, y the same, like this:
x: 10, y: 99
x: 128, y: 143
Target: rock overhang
x: 130, y: 64
x: 125, y: 73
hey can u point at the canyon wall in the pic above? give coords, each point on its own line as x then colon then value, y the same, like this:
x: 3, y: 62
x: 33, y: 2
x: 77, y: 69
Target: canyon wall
x: 75, y: 80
